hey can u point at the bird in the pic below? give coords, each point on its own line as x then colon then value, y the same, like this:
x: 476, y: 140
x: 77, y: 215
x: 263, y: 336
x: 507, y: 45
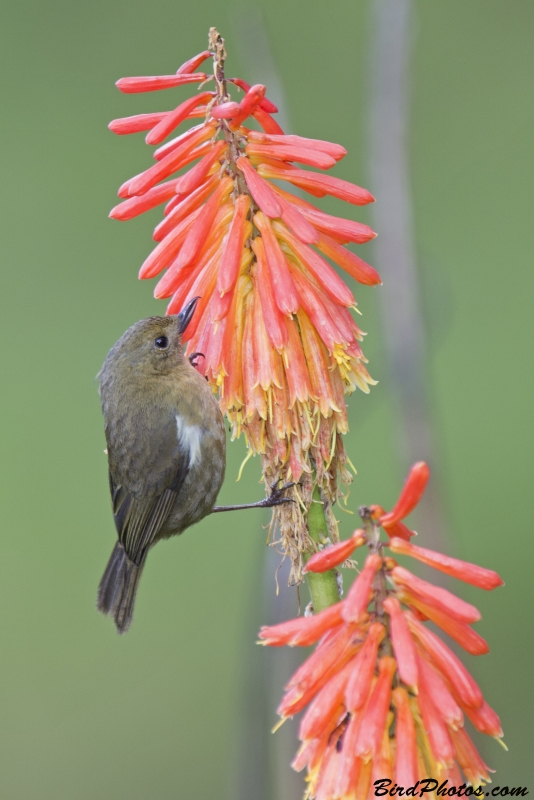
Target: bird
x: 166, y: 447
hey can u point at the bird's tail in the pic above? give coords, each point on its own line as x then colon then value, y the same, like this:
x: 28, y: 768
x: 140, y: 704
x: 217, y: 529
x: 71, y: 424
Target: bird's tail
x: 118, y: 588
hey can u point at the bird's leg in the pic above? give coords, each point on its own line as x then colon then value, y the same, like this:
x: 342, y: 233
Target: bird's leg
x: 275, y: 499
x: 193, y: 358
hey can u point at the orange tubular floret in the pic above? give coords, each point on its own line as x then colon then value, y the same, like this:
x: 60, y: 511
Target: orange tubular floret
x: 485, y: 720
x: 403, y: 643
x: 234, y: 246
x: 357, y: 599
x: 300, y: 226
x: 302, y: 631
x: 336, y: 554
x: 323, y: 184
x: 436, y: 729
x: 375, y: 715
x: 186, y: 136
x: 363, y: 667
x: 440, y: 695
x: 450, y: 666
x: 184, y: 207
x: 200, y: 229
x: 173, y: 118
x: 326, y: 708
x: 320, y: 269
x: 190, y: 66
x: 137, y: 123
x: 297, y: 375
x: 155, y: 82
x: 272, y: 316
x: 259, y: 189
x: 470, y: 573
x: 268, y: 124
x: 405, y: 738
x: 197, y: 174
x: 337, y: 151
x: 351, y: 263
x: 469, y: 758
x: 312, y: 304
x: 288, y: 152
x: 436, y: 596
x: 319, y: 367
x: 138, y: 205
x: 469, y: 639
x: 168, y: 249
x: 410, y: 496
x: 284, y: 291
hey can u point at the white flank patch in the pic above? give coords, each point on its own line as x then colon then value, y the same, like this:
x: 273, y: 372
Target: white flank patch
x: 189, y: 439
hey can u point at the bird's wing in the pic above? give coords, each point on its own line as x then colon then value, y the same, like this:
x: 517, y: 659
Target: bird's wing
x: 138, y: 520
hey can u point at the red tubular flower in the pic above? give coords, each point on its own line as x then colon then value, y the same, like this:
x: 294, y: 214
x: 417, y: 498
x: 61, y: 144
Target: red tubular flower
x: 336, y: 554
x: 356, y: 727
x: 282, y: 359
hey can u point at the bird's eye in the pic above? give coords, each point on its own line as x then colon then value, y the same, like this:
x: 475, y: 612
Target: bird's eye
x: 162, y: 342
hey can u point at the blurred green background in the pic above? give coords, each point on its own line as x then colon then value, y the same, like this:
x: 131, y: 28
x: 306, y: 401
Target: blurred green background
x: 159, y: 713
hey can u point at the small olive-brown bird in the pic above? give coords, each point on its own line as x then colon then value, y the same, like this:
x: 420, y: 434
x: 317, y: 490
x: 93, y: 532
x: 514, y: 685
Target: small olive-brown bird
x: 166, y: 450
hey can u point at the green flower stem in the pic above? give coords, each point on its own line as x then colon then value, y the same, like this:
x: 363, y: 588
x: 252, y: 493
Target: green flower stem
x: 323, y: 585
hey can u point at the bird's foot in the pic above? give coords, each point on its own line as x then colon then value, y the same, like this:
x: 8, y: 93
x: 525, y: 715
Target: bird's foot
x: 276, y: 498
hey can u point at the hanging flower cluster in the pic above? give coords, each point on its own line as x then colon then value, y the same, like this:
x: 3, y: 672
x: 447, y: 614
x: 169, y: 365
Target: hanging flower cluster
x: 273, y: 324
x: 386, y: 698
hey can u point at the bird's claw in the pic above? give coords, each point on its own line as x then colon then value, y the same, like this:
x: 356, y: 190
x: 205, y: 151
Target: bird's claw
x: 276, y: 497
x: 193, y: 359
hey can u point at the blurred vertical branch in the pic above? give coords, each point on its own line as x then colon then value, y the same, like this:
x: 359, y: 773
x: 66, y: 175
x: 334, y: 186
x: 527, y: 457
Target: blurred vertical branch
x: 391, y: 37
x: 263, y: 768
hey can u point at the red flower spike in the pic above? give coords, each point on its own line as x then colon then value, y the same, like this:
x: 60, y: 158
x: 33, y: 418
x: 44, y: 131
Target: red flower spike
x: 469, y: 758
x: 332, y: 149
x: 469, y: 573
x: 440, y: 695
x: 410, y: 496
x: 326, y: 708
x: 284, y: 291
x: 485, y: 720
x: 260, y: 189
x: 174, y: 118
x: 184, y: 207
x: 272, y: 316
x: 448, y: 663
x: 268, y: 124
x: 231, y: 258
x: 197, y: 174
x: 302, y: 631
x: 313, y: 158
x: 137, y: 123
x: 168, y: 249
x: 351, y: 263
x: 336, y: 554
x: 156, y: 82
x: 375, y: 715
x: 319, y: 268
x: 264, y: 103
x: 363, y: 667
x: 406, y: 772
x: 193, y: 63
x: 436, y: 729
x: 403, y: 643
x: 357, y: 600
x: 138, y: 205
x: 326, y: 184
x: 443, y: 600
x: 198, y: 232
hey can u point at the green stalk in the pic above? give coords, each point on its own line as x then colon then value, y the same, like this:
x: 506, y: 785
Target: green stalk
x: 323, y: 585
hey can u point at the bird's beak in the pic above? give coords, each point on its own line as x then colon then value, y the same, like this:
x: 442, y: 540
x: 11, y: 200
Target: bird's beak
x: 186, y: 314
